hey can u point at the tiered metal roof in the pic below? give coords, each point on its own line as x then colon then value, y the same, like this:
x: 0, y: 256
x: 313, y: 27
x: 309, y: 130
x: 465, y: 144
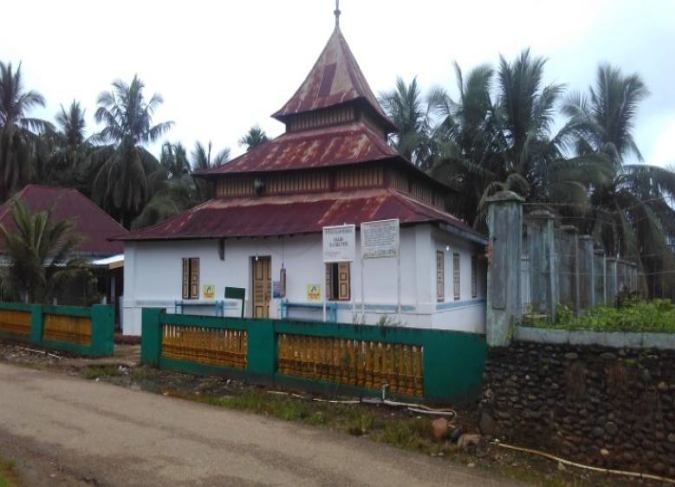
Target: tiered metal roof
x: 295, y: 214
x: 323, y: 147
x: 335, y: 80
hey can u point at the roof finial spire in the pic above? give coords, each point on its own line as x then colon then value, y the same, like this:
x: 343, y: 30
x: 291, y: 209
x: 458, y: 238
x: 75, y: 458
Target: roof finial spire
x: 337, y: 13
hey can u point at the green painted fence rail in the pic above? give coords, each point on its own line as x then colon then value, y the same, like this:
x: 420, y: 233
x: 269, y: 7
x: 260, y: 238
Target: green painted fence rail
x: 420, y: 364
x: 82, y: 331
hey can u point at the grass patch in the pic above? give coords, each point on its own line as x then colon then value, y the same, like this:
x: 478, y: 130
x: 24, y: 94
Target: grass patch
x: 409, y: 433
x: 396, y: 429
x: 101, y: 372
x: 7, y: 474
x: 637, y: 316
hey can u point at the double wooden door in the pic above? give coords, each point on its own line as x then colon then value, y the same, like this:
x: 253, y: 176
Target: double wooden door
x: 262, y: 286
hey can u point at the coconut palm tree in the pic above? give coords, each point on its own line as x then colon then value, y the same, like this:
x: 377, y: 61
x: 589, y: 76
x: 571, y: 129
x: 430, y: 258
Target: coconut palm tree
x: 202, y: 160
x: 71, y: 124
x: 253, y: 138
x: 67, y: 150
x: 17, y: 129
x: 201, y: 157
x: 527, y: 109
x: 487, y: 146
x: 174, y: 161
x: 630, y: 214
x: 409, y: 111
x: 123, y: 165
x: 40, y: 254
x: 468, y: 155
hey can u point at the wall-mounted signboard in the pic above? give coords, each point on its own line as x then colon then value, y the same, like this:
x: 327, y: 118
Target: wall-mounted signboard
x: 380, y: 239
x: 313, y: 292
x: 209, y: 291
x: 339, y: 243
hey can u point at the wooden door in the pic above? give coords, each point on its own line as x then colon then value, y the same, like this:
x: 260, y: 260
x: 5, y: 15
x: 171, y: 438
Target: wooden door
x: 262, y: 287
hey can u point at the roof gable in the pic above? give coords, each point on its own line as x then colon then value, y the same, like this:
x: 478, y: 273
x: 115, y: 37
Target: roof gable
x: 94, y: 224
x: 335, y: 79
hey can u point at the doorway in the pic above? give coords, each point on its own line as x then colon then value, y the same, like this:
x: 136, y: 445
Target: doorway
x: 262, y: 286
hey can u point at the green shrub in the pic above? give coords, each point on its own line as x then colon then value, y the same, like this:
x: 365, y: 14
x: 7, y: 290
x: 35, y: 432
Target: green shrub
x: 634, y: 315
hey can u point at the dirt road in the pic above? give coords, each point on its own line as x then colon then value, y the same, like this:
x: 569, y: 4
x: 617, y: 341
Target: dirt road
x: 68, y: 431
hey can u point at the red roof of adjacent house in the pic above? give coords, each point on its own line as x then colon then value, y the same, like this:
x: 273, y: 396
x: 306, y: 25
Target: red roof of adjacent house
x: 94, y: 224
x: 323, y: 147
x: 335, y: 79
x: 295, y: 214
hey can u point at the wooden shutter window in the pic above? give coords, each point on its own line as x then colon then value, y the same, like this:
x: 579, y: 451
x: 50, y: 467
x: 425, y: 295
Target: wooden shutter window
x: 338, y: 287
x: 194, y: 278
x: 343, y: 281
x: 455, y: 274
x: 440, y: 277
x: 329, y: 281
x: 186, y: 278
x: 474, y: 276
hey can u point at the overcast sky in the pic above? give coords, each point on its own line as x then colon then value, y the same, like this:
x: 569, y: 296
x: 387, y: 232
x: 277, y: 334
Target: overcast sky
x: 224, y: 66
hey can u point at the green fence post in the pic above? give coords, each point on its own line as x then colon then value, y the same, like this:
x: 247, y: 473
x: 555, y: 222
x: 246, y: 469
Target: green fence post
x: 37, y: 324
x: 102, y: 330
x: 453, y: 365
x: 261, y: 360
x: 151, y: 336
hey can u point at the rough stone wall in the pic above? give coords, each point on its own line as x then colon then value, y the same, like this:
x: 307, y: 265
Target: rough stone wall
x: 599, y: 406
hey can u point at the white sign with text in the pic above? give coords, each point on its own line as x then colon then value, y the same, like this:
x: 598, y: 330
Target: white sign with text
x: 380, y: 239
x: 339, y: 243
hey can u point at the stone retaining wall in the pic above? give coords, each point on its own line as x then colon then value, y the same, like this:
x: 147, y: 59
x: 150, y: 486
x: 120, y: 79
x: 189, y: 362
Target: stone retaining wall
x: 602, y: 406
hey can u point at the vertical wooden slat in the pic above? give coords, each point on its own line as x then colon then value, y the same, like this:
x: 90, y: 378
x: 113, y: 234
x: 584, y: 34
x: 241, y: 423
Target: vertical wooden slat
x: 194, y: 278
x: 343, y: 281
x: 456, y: 275
x: 186, y: 279
x: 440, y: 276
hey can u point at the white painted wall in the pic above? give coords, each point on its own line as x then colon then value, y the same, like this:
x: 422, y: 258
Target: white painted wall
x: 153, y: 278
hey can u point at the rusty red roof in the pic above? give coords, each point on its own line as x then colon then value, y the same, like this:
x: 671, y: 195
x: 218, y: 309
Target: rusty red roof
x: 295, y: 214
x: 335, y: 79
x: 94, y: 224
x: 323, y: 147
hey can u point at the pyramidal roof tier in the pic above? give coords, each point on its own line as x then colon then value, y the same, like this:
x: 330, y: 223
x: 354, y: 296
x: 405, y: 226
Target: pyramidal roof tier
x: 335, y: 79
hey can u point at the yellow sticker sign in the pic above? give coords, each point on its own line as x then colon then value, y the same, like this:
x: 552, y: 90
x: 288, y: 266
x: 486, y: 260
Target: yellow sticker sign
x: 209, y: 291
x: 313, y: 292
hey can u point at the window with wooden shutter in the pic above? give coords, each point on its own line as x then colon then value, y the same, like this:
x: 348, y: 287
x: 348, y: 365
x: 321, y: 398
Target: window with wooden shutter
x: 194, y: 278
x: 186, y: 278
x: 338, y: 282
x: 474, y: 276
x: 329, y: 282
x: 455, y: 275
x: 191, y: 278
x: 440, y: 277
x: 343, y: 281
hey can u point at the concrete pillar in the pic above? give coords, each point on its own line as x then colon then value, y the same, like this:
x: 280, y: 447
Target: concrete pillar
x: 599, y: 277
x: 633, y: 277
x: 586, y: 273
x: 541, y: 250
x: 504, y: 307
x: 611, y: 284
x: 568, y: 267
x: 621, y: 276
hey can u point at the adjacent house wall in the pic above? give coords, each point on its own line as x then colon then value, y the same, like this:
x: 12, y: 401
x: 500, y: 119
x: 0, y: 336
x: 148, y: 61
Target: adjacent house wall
x: 153, y: 277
